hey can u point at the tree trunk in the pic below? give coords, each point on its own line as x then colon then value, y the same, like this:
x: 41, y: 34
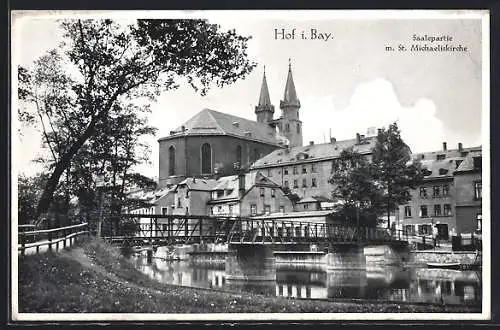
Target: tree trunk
x: 60, y: 167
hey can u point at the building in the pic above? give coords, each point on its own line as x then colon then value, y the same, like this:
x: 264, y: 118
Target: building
x: 306, y: 170
x: 447, y: 197
x: 248, y: 195
x: 215, y: 143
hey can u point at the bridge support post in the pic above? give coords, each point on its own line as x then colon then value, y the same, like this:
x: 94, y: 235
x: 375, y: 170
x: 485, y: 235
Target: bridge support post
x: 250, y: 262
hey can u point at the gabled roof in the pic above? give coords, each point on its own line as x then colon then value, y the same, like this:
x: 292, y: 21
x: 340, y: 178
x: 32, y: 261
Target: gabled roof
x: 211, y: 122
x: 445, y: 168
x: 314, y: 152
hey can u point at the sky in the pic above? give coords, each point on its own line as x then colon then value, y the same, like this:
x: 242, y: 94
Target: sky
x: 346, y: 84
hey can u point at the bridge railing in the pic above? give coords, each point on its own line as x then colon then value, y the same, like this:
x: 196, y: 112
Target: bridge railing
x: 35, y: 239
x: 244, y: 229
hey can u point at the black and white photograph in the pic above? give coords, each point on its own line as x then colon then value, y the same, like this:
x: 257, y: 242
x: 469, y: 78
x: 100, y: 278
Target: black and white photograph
x: 250, y: 165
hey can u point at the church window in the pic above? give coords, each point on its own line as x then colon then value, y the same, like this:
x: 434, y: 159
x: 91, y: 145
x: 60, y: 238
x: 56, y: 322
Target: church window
x: 298, y: 128
x: 238, y: 155
x: 171, y: 160
x: 206, y: 159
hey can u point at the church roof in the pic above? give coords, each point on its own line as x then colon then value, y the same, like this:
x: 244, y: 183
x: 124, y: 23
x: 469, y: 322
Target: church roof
x: 314, y: 152
x: 290, y: 95
x: 211, y: 122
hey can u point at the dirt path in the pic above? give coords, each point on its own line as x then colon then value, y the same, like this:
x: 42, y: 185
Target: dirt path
x: 78, y: 254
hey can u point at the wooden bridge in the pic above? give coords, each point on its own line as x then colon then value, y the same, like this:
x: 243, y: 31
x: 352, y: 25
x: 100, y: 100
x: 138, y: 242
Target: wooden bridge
x: 190, y: 229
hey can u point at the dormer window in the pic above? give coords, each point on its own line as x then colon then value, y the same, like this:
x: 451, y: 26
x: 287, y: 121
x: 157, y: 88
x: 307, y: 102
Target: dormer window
x: 443, y: 171
x: 440, y: 156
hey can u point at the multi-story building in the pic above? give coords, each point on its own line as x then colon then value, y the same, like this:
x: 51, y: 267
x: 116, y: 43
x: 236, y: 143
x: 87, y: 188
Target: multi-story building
x: 445, y: 198
x: 248, y: 195
x: 307, y: 170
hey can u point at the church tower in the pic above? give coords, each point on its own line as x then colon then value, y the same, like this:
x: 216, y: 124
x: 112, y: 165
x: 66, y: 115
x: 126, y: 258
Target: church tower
x: 290, y: 125
x: 264, y: 110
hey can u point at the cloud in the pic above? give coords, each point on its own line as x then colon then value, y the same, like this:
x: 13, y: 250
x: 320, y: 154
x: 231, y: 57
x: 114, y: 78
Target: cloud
x: 373, y: 104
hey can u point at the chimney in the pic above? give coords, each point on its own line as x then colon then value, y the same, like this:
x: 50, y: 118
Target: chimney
x: 333, y: 140
x: 460, y: 147
x: 358, y: 138
x: 311, y: 143
x: 444, y: 146
x: 241, y: 183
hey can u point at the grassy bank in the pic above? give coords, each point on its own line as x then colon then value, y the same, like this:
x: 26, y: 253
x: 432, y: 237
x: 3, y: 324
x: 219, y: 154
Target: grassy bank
x: 95, y: 278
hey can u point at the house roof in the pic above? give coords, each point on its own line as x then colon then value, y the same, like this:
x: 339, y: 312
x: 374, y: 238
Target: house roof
x: 468, y: 162
x: 314, y: 199
x: 211, y: 122
x: 306, y: 214
x: 445, y: 168
x: 198, y: 184
x: 149, y: 196
x: 314, y: 152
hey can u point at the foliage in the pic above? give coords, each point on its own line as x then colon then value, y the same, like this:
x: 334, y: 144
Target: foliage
x: 355, y: 188
x: 112, y: 64
x: 395, y: 172
x: 28, y: 190
x: 293, y: 197
x: 378, y: 186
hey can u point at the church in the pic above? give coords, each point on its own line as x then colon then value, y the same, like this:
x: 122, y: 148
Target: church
x: 213, y: 143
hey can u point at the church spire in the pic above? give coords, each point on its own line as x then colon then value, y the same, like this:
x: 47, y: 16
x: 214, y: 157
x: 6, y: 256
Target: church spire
x: 290, y: 96
x: 264, y: 109
x: 264, y: 98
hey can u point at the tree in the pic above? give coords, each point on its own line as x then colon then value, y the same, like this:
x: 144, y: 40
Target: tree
x: 28, y: 190
x: 394, y: 171
x: 354, y: 186
x: 112, y: 63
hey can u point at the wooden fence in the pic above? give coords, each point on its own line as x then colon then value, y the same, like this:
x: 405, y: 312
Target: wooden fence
x: 50, y: 237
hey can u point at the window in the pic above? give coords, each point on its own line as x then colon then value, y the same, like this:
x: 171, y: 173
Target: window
x: 230, y: 209
x: 423, y: 192
x: 423, y: 211
x: 286, y: 184
x: 424, y: 229
x: 267, y: 209
x: 313, y: 168
x: 477, y: 190
x: 285, y: 171
x: 295, y: 184
x: 273, y: 192
x: 479, y: 219
x: 187, y: 193
x: 304, y: 183
x: 441, y: 157
x: 446, y: 190
x: 253, y: 209
x: 407, y: 211
x: 262, y: 192
x: 212, y: 210
x: 219, y: 209
x: 206, y: 159
x: 447, y: 209
x: 178, y: 202
x: 298, y: 128
x: 304, y: 169
x: 306, y: 206
x: 238, y: 156
x: 214, y: 194
x: 269, y: 172
x: 313, y: 182
x: 295, y: 170
x: 477, y: 162
x: 164, y: 210
x: 220, y: 193
x: 287, y: 128
x: 435, y: 191
x: 437, y: 210
x: 171, y: 160
x: 282, y: 209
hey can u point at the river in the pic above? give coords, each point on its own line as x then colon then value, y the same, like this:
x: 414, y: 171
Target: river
x: 380, y: 283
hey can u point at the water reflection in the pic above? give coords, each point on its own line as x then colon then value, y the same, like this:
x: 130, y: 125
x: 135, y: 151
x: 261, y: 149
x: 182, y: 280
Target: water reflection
x: 372, y: 283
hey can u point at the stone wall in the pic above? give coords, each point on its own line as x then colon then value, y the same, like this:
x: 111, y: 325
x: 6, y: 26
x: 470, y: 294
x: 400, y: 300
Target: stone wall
x: 421, y: 258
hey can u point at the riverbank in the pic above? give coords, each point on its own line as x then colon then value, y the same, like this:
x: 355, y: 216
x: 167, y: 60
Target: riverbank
x: 94, y: 277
